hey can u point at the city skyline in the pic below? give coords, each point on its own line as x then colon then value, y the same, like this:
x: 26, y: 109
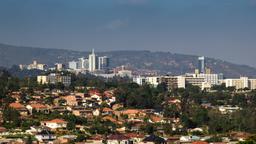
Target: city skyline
x: 220, y: 29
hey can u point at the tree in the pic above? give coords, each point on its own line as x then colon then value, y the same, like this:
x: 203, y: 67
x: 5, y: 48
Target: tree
x: 71, y: 126
x: 11, y: 118
x: 171, y: 111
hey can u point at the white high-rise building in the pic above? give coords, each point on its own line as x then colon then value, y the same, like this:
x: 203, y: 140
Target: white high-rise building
x: 92, y: 62
x: 201, y: 64
x: 103, y: 63
x: 72, y: 65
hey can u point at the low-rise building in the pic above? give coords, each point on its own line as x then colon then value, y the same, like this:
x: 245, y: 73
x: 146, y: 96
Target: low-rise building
x: 55, y: 123
x: 241, y: 83
x: 54, y: 78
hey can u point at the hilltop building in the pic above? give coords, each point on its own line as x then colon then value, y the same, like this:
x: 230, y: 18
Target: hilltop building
x: 92, y: 64
x: 201, y: 64
x: 34, y: 65
x: 103, y: 63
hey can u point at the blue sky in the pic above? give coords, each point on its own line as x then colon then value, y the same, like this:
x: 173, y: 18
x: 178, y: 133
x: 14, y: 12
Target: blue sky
x: 224, y: 29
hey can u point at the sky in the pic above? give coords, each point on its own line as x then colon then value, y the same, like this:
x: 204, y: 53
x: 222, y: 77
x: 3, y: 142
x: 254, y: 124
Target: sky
x: 224, y: 29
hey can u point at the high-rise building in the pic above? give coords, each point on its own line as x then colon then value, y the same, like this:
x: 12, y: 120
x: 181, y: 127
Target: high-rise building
x: 59, y: 66
x: 92, y: 62
x: 201, y: 64
x: 81, y: 63
x: 72, y: 65
x: 103, y: 63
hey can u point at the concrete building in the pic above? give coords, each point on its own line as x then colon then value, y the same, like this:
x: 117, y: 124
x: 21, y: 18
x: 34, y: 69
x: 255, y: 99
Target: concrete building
x: 92, y: 62
x: 201, y: 64
x: 151, y: 80
x: 213, y: 79
x: 73, y: 65
x: 241, y: 83
x: 54, y: 78
x: 36, y: 65
x: 59, y: 66
x: 103, y: 63
x: 170, y: 81
x: 140, y: 80
x: 252, y: 84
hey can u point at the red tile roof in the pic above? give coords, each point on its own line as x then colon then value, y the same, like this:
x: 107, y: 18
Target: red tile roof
x: 134, y: 135
x: 38, y: 106
x: 105, y: 109
x: 131, y: 111
x: 199, y: 142
x: 16, y: 106
x: 55, y: 121
x: 117, y: 137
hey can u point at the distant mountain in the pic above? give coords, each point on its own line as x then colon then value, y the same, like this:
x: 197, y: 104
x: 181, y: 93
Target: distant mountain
x: 164, y: 62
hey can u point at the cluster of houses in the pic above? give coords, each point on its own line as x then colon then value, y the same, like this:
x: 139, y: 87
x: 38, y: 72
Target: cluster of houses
x: 90, y: 105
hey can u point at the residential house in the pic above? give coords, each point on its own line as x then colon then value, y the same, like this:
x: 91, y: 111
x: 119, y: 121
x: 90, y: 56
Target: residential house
x: 19, y: 107
x: 55, y: 123
x: 36, y: 107
x: 96, y: 139
x: 73, y: 100
x: 82, y: 112
x: 107, y: 111
x: 135, y: 137
x: 153, y: 139
x: 134, y: 114
x: 45, y: 136
x: 118, y: 139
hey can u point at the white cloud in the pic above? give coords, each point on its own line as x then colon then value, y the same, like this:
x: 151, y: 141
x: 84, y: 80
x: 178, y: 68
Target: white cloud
x: 117, y: 24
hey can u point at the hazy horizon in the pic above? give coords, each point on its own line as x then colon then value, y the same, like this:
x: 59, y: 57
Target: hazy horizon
x: 223, y: 29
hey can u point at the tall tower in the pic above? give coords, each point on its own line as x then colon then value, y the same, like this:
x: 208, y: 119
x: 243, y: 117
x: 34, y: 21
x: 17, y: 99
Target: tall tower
x: 92, y: 61
x: 201, y: 64
x: 103, y: 63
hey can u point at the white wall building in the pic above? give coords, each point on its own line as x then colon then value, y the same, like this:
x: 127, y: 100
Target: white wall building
x: 103, y: 63
x: 92, y: 61
x: 54, y: 78
x: 55, y: 123
x: 73, y: 65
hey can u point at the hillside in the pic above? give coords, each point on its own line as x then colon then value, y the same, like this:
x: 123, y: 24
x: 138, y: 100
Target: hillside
x: 161, y: 61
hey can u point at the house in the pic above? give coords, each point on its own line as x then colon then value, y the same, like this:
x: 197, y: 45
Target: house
x: 228, y: 109
x: 107, y: 111
x: 96, y: 112
x: 189, y: 138
x: 94, y: 92
x: 156, y: 119
x: 118, y: 139
x: 2, y: 129
x: 135, y: 137
x: 96, y: 139
x: 45, y: 136
x: 37, y: 108
x: 65, y: 139
x: 82, y: 112
x: 109, y: 118
x: 152, y: 139
x: 134, y: 113
x: 241, y: 136
x: 73, y: 100
x: 55, y: 123
x: 19, y: 107
x: 117, y: 106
